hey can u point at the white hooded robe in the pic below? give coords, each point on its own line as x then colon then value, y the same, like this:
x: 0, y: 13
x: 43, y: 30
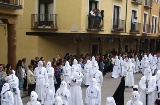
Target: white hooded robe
x: 64, y: 93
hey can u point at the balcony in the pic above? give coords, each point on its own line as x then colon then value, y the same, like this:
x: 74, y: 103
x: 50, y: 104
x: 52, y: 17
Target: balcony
x: 137, y: 2
x: 95, y: 23
x: 14, y: 4
x: 146, y: 29
x: 135, y: 28
x: 148, y: 4
x: 118, y: 25
x: 44, y: 21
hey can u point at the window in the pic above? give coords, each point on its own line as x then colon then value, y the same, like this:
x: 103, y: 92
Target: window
x: 133, y: 20
x: 157, y: 1
x: 145, y: 22
x: 154, y: 24
x: 93, y: 4
x: 116, y: 16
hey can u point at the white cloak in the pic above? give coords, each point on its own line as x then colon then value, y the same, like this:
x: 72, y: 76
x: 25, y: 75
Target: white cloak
x: 87, y: 74
x: 93, y: 96
x: 64, y: 94
x: 151, y: 88
x: 14, y: 83
x: 134, y: 103
x: 116, y: 69
x: 75, y: 90
x: 50, y: 73
x: 41, y: 78
x: 7, y: 98
x: 48, y: 98
x: 129, y: 81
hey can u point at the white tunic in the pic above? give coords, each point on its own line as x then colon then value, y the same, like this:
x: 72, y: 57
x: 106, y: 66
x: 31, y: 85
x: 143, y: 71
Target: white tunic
x: 14, y: 82
x: 67, y: 73
x: 50, y: 73
x: 130, y: 102
x: 129, y: 81
x: 64, y: 94
x: 48, y: 98
x: 87, y: 74
x: 93, y: 96
x: 151, y: 89
x: 116, y: 69
x: 36, y: 103
x: 7, y: 98
x: 41, y: 78
x: 75, y: 89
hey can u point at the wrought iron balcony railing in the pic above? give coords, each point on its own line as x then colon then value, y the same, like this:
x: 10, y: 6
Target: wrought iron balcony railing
x: 118, y: 25
x: 146, y: 29
x: 148, y: 4
x: 15, y: 4
x: 135, y: 27
x: 44, y: 21
x: 138, y: 2
x: 95, y: 23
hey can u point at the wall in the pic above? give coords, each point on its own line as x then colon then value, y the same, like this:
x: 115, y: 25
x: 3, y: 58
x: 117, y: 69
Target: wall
x: 4, y: 46
x: 27, y: 46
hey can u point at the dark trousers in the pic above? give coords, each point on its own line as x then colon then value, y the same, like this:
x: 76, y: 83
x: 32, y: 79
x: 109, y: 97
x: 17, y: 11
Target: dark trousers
x: 25, y: 83
x: 31, y: 87
x: 58, y: 83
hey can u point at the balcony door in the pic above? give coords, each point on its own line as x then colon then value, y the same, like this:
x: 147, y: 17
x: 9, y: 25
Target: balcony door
x: 45, y: 12
x: 133, y: 20
x: 145, y: 22
x: 93, y: 4
x: 116, y: 17
x: 154, y: 24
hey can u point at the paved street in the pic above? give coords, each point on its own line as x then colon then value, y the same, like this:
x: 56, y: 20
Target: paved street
x: 108, y: 88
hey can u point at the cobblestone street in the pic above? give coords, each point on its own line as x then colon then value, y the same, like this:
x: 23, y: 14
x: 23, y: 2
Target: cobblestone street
x: 108, y: 88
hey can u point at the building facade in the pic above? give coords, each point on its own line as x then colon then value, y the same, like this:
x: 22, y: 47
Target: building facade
x: 51, y: 27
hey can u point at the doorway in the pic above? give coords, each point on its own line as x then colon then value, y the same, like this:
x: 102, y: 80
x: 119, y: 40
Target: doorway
x: 94, y: 48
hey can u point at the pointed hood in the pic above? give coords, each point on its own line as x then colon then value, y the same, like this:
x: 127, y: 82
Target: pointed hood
x: 5, y: 88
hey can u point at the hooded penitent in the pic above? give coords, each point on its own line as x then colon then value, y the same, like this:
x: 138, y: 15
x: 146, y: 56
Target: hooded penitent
x: 147, y: 85
x: 64, y: 93
x: 40, y: 64
x: 50, y: 74
x: 88, y: 72
x: 93, y: 93
x: 6, y: 95
x: 75, y: 89
x: 34, y: 98
x: 135, y: 99
x: 75, y: 62
x: 157, y: 91
x: 110, y: 101
x: 119, y: 93
x: 41, y: 76
x: 129, y: 81
x: 48, y: 95
x: 116, y: 68
x: 67, y: 72
x: 58, y: 101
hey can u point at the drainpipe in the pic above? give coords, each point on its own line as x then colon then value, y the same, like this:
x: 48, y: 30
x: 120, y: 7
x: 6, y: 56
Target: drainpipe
x: 126, y: 17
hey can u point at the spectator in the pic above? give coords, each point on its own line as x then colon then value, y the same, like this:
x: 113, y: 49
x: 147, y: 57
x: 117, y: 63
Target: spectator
x: 8, y: 68
x: 19, y: 73
x: 30, y: 78
x: 25, y: 73
x: 1, y: 77
x: 44, y: 63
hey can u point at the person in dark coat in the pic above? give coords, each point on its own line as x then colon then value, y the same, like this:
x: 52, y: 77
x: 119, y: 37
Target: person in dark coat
x: 119, y: 93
